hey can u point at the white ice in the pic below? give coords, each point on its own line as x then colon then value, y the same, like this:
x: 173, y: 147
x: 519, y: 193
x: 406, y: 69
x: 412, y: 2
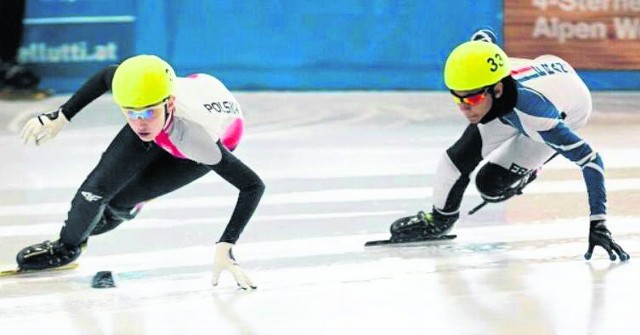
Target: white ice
x: 339, y: 167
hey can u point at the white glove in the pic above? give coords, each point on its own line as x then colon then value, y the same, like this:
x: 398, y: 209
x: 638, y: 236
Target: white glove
x: 43, y: 127
x: 224, y: 261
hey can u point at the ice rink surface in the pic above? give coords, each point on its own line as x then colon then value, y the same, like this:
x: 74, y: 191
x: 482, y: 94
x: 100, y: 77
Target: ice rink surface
x: 339, y: 168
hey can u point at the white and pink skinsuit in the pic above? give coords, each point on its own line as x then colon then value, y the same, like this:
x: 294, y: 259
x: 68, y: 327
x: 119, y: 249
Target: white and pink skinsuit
x: 205, y: 112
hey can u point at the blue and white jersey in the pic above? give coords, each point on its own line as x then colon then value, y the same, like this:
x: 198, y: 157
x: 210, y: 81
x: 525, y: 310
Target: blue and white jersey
x: 552, y: 102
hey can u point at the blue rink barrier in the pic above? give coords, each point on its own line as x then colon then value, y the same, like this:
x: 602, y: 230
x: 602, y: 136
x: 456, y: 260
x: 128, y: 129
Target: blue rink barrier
x: 66, y: 41
x: 267, y: 44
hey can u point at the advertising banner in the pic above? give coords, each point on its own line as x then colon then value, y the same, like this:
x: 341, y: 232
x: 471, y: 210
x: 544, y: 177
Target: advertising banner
x: 74, y: 38
x: 589, y: 34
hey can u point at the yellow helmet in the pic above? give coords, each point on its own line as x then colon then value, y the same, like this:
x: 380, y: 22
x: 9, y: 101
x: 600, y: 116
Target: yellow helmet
x: 474, y: 65
x: 142, y: 81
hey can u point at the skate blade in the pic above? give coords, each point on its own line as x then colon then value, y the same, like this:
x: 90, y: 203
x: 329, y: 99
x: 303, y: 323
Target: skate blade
x: 17, y: 272
x: 388, y: 242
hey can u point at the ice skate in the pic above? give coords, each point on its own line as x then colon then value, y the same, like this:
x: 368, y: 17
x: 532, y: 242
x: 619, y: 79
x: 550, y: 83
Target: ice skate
x: 419, y: 228
x: 47, y: 255
x: 112, y: 218
x: 515, y: 189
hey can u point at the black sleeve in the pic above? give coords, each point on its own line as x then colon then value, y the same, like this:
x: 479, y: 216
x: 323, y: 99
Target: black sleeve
x: 97, y: 85
x: 251, y: 189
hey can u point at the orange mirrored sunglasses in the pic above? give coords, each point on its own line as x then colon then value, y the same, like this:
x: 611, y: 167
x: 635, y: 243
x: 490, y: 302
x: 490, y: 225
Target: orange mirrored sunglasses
x: 471, y: 99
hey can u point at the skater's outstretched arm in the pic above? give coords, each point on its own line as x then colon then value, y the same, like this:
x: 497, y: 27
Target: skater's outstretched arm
x: 46, y: 126
x: 251, y: 189
x: 94, y: 87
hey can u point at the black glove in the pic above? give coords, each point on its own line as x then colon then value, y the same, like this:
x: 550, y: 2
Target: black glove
x: 600, y: 235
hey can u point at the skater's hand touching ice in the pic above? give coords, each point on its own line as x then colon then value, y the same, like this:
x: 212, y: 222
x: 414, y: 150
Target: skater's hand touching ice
x: 601, y: 236
x: 224, y: 261
x: 43, y: 127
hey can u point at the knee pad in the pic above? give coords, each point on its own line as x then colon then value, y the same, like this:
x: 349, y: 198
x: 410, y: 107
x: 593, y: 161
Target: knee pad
x: 496, y: 183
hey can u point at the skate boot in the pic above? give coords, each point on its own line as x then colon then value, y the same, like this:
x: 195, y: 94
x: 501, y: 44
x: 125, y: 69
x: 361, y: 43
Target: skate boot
x: 485, y: 35
x: 422, y: 226
x: 47, y: 255
x: 112, y: 218
x: 526, y: 181
x: 515, y: 189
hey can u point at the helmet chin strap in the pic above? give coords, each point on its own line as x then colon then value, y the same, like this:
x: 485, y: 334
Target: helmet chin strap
x: 492, y: 91
x: 496, y: 106
x: 167, y: 114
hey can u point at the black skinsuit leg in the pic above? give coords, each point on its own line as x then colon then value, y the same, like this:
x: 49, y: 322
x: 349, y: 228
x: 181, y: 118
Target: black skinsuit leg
x: 125, y: 158
x: 167, y: 174
x: 164, y: 175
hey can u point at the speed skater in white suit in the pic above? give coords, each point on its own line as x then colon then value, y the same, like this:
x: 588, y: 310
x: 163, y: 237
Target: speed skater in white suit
x: 178, y: 130
x: 522, y: 113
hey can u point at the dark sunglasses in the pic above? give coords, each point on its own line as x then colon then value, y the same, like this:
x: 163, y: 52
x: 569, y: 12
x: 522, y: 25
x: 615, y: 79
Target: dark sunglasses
x: 471, y: 99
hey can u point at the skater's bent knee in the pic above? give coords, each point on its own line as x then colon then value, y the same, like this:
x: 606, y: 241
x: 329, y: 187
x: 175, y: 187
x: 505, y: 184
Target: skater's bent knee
x: 492, y: 180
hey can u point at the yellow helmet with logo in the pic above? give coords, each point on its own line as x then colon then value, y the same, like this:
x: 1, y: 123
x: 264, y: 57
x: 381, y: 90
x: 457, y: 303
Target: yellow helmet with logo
x: 476, y: 64
x: 142, y: 81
